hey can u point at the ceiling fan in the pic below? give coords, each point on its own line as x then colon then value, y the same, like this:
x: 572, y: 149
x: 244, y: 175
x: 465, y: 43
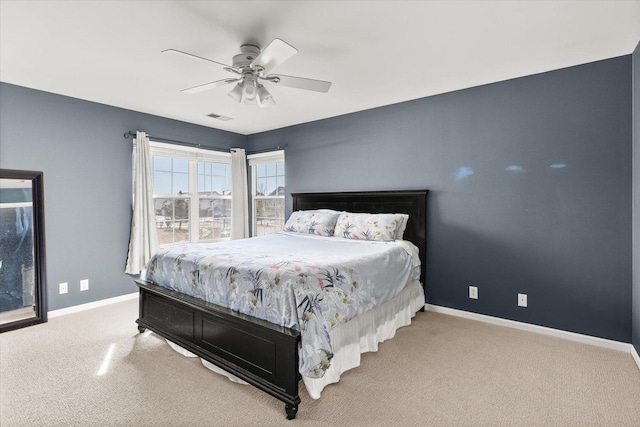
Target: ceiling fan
x: 251, y: 67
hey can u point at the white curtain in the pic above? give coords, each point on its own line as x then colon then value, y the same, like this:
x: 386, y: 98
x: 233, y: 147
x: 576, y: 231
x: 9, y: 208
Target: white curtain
x: 144, y: 237
x: 239, y: 199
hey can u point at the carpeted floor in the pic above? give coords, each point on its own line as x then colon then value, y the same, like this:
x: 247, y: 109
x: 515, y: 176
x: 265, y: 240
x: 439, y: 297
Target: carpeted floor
x: 440, y: 371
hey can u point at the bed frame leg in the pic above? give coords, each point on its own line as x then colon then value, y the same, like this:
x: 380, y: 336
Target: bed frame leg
x: 141, y: 329
x: 292, y: 410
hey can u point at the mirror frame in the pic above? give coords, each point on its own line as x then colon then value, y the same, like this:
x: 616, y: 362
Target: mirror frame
x: 39, y: 258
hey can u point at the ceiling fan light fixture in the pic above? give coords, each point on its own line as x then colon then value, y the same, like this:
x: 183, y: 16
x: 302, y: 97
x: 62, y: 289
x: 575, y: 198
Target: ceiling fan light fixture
x: 263, y: 97
x: 249, y: 91
x: 236, y: 93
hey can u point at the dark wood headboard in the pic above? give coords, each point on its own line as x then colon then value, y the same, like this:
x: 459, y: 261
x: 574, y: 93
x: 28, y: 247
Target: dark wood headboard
x: 411, y: 202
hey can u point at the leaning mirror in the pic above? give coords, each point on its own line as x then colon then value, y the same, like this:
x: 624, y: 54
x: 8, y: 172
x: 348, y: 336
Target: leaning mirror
x: 22, y: 254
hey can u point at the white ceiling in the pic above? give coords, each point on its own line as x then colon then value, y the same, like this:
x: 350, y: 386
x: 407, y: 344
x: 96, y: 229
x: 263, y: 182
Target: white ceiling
x: 375, y: 52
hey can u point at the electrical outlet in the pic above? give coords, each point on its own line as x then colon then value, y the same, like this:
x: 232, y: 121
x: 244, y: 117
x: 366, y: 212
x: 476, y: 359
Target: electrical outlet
x: 64, y: 288
x: 473, y: 292
x: 84, y: 284
x: 522, y: 300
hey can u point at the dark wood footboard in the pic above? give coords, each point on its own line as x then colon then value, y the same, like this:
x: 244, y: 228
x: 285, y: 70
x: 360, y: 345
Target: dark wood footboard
x: 256, y: 351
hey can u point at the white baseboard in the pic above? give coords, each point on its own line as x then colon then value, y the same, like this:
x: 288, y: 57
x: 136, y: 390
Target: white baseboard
x: 635, y: 355
x: 572, y: 336
x: 91, y: 305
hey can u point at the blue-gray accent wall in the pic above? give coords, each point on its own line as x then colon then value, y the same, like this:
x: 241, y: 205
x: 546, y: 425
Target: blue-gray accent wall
x: 79, y: 145
x: 530, y: 189
x: 636, y: 200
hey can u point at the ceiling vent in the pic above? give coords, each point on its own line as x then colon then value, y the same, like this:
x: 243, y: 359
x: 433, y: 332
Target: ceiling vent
x: 219, y: 117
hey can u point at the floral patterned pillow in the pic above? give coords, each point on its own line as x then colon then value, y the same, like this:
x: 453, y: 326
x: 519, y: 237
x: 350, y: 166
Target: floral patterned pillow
x: 362, y: 226
x: 318, y: 223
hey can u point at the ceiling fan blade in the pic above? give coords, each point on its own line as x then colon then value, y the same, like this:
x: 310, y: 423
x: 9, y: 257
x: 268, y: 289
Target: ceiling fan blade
x: 190, y: 55
x: 273, y: 55
x: 208, y: 86
x: 299, y: 83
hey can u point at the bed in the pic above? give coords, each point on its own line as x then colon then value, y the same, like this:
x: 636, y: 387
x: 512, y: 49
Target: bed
x: 266, y: 354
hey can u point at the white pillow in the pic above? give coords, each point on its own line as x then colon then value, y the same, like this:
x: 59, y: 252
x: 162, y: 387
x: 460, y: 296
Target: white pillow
x: 402, y: 226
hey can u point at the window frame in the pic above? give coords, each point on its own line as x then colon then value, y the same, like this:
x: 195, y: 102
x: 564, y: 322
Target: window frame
x: 193, y: 155
x: 259, y: 159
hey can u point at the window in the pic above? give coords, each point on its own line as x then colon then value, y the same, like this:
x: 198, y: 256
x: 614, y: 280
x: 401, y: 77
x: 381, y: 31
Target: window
x: 191, y: 193
x: 171, y: 198
x: 214, y: 200
x: 268, y: 188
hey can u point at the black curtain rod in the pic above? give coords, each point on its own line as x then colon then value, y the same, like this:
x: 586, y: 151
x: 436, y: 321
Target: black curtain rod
x: 132, y: 134
x: 266, y: 150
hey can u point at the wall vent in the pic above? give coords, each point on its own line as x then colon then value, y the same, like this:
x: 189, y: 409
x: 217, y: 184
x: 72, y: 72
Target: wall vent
x: 219, y: 117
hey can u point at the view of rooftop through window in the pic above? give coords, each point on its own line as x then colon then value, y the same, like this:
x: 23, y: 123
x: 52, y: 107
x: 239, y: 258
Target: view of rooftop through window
x: 270, y: 179
x: 268, y: 200
x: 192, y: 199
x: 214, y: 200
x: 214, y: 178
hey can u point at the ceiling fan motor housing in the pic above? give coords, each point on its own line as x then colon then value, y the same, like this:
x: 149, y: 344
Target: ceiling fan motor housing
x: 248, y: 53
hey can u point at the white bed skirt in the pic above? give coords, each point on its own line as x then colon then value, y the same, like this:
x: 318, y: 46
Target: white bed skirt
x: 363, y: 334
x: 360, y: 335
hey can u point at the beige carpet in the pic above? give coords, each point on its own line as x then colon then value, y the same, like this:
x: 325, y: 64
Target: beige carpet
x: 440, y: 371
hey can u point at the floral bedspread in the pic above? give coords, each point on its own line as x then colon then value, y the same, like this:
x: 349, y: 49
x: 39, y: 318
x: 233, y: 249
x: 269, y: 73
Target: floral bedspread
x: 305, y: 282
